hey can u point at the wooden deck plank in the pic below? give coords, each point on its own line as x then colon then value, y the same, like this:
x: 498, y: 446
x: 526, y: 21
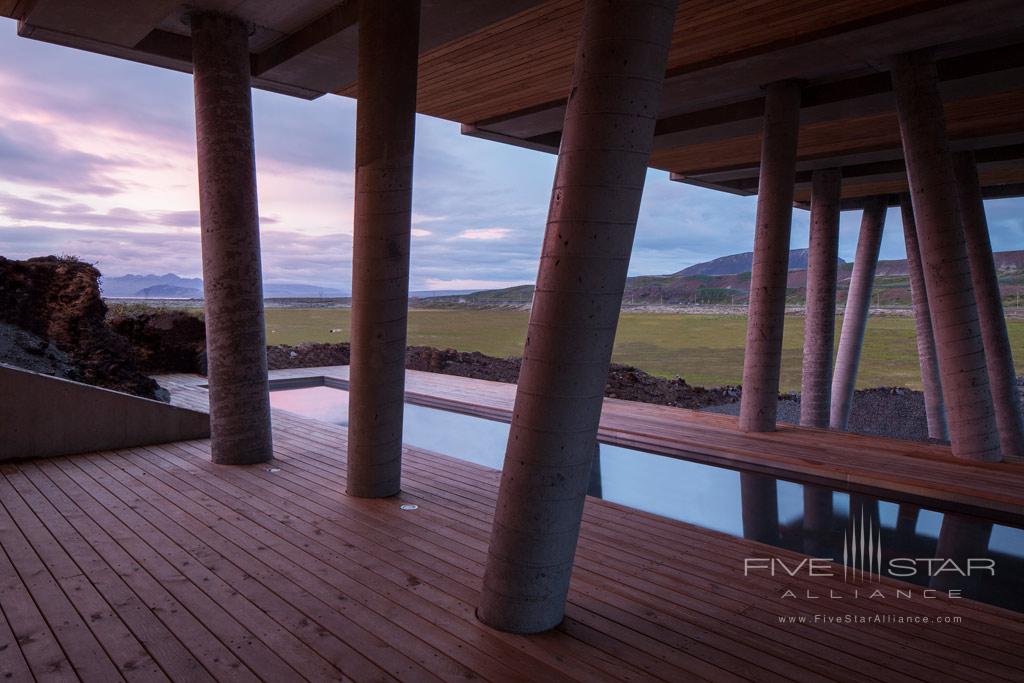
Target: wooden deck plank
x: 935, y: 655
x: 272, y: 643
x: 85, y: 656
x: 214, y: 604
x: 242, y: 485
x: 307, y: 434
x: 159, y: 641
x: 291, y: 565
x: 320, y: 507
x: 13, y: 666
x: 126, y: 653
x: 242, y: 570
x: 273, y: 593
x: 265, y: 495
x: 193, y: 634
x: 480, y: 543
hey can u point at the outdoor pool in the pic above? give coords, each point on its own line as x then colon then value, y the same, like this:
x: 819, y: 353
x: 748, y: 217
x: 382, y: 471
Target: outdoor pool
x: 711, y: 497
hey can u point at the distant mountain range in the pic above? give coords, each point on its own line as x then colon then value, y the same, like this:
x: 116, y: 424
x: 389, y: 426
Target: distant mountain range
x: 139, y: 285
x: 726, y: 280
x: 171, y: 286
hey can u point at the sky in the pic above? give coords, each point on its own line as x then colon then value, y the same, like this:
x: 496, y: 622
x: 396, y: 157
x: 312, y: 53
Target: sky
x: 97, y: 160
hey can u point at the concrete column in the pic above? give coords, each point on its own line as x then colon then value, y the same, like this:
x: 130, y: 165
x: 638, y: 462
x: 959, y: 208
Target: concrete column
x: 762, y: 358
x: 385, y: 131
x: 759, y: 499
x: 935, y: 409
x: 820, y: 315
x: 965, y: 386
x: 602, y: 162
x: 236, y: 344
x: 855, y: 319
x: 1002, y: 375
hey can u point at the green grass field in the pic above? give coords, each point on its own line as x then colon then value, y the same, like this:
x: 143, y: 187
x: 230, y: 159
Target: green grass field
x: 705, y: 349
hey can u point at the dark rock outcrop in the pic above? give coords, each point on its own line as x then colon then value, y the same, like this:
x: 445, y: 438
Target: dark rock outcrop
x: 164, y: 340
x: 462, y: 363
x: 58, y: 299
x: 312, y: 355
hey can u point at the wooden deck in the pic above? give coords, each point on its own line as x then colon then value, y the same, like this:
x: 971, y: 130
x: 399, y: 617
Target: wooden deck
x: 153, y: 563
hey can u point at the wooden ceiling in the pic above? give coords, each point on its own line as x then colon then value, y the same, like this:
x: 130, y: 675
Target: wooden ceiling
x: 502, y: 69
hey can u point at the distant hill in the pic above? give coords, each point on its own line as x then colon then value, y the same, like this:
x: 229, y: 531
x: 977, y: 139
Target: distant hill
x: 171, y: 286
x: 694, y: 286
x: 734, y: 264
x: 431, y: 293
x: 133, y: 285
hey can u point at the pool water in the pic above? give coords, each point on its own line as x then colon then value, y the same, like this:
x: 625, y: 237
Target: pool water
x: 722, y: 499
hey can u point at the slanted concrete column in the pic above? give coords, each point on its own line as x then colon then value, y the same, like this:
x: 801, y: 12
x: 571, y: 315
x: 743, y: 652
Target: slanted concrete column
x: 759, y: 499
x: 1002, y: 376
x: 819, y: 340
x: 236, y: 344
x: 965, y: 386
x: 762, y: 358
x: 858, y: 305
x: 602, y: 161
x: 820, y: 314
x: 935, y: 409
x: 385, y: 130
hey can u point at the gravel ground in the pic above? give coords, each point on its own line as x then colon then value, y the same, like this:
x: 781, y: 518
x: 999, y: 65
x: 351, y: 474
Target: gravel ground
x: 897, y: 413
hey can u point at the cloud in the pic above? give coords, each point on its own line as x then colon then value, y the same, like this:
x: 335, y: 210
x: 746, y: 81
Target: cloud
x: 59, y: 210
x: 33, y: 155
x: 486, y: 234
x: 114, y: 251
x: 288, y: 256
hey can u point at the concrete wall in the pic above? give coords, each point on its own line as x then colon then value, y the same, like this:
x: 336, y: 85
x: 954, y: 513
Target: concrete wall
x: 42, y: 416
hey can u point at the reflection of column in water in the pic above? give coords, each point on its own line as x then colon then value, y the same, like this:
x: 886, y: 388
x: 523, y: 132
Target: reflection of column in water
x: 865, y: 508
x: 960, y: 538
x: 817, y: 519
x: 595, y: 489
x: 906, y: 527
x: 759, y: 498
